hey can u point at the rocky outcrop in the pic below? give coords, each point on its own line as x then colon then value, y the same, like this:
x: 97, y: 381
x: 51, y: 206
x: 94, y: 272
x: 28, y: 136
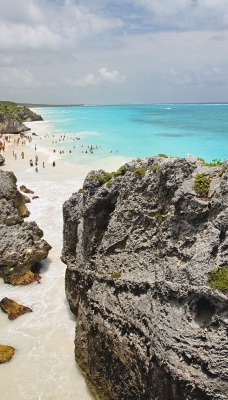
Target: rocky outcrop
x: 21, y: 243
x: 12, y: 116
x: 10, y: 125
x: 140, y: 246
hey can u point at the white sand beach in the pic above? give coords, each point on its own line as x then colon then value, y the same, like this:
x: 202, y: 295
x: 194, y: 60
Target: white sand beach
x: 43, y: 366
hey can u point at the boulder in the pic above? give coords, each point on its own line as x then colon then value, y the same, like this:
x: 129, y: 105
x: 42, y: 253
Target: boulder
x: 21, y: 243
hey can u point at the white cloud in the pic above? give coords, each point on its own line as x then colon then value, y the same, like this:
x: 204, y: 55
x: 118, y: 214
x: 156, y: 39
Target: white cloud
x: 103, y: 76
x: 110, y: 76
x: 56, y: 26
x: 203, y: 77
x: 27, y: 37
x: 186, y: 14
x: 13, y: 77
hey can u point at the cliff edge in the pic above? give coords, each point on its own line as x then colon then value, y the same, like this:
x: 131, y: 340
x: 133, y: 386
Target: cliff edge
x: 146, y: 250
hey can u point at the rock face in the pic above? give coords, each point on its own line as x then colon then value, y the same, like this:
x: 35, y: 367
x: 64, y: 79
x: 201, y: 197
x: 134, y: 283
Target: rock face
x: 139, y: 250
x: 21, y: 243
x: 9, y: 125
x: 12, y: 116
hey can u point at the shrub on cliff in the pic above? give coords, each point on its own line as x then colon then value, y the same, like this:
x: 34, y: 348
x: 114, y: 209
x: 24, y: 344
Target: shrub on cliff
x: 201, y: 185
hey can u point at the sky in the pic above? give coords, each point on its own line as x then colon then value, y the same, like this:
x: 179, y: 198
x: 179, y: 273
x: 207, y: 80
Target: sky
x: 113, y: 52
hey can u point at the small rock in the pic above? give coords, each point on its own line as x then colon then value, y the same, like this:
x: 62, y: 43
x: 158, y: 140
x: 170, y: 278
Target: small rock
x: 6, y: 353
x: 19, y: 276
x: 13, y: 309
x: 24, y: 189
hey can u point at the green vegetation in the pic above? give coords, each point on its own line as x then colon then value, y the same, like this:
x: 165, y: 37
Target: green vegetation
x: 116, y: 275
x: 109, y: 183
x: 120, y: 171
x: 159, y: 218
x: 139, y: 171
x: 218, y: 278
x: 16, y: 112
x: 163, y: 155
x: 221, y: 172
x: 213, y: 163
x: 130, y: 213
x: 201, y: 185
x: 155, y: 168
x: 102, y: 178
x: 81, y: 190
x: 9, y: 109
x: 105, y: 177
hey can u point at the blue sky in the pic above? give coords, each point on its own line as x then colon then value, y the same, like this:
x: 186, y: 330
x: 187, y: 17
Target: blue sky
x: 105, y: 52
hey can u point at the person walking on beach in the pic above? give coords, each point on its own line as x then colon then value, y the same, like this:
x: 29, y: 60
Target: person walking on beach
x: 31, y: 163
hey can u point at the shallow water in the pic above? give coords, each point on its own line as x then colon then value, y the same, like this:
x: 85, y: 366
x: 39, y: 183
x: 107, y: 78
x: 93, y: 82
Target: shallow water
x: 142, y: 130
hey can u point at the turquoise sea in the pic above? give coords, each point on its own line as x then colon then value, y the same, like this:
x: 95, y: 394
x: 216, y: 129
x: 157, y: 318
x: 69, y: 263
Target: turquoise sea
x: 142, y: 130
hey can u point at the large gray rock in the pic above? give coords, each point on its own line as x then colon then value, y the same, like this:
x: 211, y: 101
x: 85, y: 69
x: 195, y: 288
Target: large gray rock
x: 10, y: 125
x: 21, y: 243
x: 139, y: 250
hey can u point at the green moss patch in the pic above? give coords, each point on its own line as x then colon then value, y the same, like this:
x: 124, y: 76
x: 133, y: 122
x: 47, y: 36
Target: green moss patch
x: 139, y: 171
x: 218, y: 278
x: 116, y: 275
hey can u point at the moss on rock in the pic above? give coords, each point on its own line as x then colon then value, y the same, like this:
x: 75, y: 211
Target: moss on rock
x: 218, y: 278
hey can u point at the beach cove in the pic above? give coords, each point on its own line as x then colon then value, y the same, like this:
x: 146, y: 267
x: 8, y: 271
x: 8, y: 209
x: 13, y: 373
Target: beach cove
x: 43, y: 366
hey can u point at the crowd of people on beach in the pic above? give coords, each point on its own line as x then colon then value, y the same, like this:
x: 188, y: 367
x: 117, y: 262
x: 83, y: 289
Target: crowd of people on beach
x: 22, y: 139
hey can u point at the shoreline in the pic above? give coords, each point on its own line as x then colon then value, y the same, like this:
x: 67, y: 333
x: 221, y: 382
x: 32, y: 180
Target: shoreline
x: 43, y: 339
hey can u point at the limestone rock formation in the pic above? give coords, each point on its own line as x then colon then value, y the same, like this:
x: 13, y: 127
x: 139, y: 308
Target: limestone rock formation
x: 21, y: 243
x: 12, y: 116
x: 140, y: 246
x: 10, y: 125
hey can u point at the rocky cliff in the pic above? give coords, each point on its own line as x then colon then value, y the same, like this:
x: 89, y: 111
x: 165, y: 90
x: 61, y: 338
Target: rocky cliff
x: 21, y: 243
x: 146, y: 250
x: 12, y: 116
